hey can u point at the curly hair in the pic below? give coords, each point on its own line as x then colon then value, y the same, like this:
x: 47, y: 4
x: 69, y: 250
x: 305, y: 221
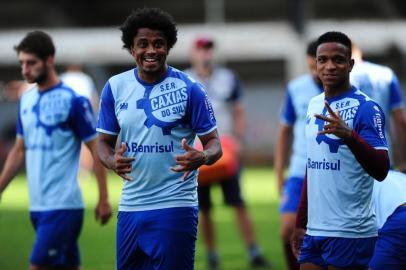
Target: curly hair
x: 338, y: 37
x: 38, y: 43
x: 152, y: 18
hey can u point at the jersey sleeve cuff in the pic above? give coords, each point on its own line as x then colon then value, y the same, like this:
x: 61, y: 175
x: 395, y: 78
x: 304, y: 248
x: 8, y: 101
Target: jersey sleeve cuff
x: 106, y: 131
x: 206, y: 132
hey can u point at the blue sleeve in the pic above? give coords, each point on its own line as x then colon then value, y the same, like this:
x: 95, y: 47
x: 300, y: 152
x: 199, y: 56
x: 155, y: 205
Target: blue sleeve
x: 395, y: 99
x: 369, y: 123
x: 82, y: 119
x: 108, y: 122
x: 200, y: 111
x: 288, y: 115
x: 237, y: 90
x: 19, y: 126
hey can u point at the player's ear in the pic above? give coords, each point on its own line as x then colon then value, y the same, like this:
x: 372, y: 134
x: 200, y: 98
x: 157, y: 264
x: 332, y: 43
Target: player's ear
x: 132, y: 51
x: 351, y: 64
x: 50, y: 61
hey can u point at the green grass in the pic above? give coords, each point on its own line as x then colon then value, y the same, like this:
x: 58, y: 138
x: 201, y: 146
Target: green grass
x: 98, y: 243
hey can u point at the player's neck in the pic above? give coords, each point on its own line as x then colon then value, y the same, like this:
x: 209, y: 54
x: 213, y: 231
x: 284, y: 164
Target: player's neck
x: 331, y: 91
x: 51, y: 80
x: 153, y: 76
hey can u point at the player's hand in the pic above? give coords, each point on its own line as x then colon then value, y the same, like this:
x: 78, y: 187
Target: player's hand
x: 189, y: 161
x: 334, y: 124
x: 122, y: 165
x: 296, y: 241
x: 103, y: 211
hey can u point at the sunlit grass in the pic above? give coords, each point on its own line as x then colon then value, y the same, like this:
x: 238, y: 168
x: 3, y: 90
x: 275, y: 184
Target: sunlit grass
x: 98, y: 243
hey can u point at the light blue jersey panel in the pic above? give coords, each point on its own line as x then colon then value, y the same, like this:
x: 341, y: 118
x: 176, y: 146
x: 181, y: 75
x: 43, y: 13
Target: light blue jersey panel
x: 152, y: 119
x: 52, y: 124
x: 339, y: 189
x: 389, y: 195
x: 381, y: 84
x: 299, y: 92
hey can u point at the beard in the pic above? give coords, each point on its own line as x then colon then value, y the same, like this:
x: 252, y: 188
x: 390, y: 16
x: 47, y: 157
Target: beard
x: 42, y: 77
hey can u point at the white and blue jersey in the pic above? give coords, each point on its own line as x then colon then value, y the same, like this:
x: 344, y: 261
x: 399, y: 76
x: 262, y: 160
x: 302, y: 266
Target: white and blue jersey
x: 298, y: 94
x: 152, y: 119
x: 389, y: 195
x: 53, y: 123
x: 381, y: 84
x: 339, y: 189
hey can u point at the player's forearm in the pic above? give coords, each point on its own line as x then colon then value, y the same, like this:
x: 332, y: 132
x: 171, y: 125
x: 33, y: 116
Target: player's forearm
x: 212, y: 150
x: 375, y: 162
x: 13, y: 162
x: 106, y: 153
x: 239, y: 122
x: 101, y: 177
x: 301, y: 216
x: 281, y: 150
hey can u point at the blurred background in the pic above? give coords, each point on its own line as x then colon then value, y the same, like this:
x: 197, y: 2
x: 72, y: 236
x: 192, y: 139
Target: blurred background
x: 262, y: 40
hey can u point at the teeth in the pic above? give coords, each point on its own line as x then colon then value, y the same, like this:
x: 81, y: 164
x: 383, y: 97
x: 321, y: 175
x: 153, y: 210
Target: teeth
x: 150, y: 60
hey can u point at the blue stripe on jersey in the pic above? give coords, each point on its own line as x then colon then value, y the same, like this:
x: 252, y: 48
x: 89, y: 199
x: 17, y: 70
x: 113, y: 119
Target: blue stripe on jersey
x: 288, y: 112
x: 19, y: 126
x: 396, y: 99
x: 107, y: 117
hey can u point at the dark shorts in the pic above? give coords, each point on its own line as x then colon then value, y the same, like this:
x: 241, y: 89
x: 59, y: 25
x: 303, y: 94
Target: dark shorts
x: 57, y: 235
x: 337, y: 251
x: 390, y: 249
x: 291, y: 195
x: 157, y: 239
x: 231, y: 193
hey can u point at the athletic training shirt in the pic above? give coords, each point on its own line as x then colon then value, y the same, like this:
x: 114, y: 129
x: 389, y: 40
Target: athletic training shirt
x: 152, y: 119
x: 53, y: 123
x: 339, y: 189
x: 298, y: 94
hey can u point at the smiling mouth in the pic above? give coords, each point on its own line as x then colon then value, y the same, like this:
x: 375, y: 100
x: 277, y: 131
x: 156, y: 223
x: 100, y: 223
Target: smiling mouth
x: 151, y: 60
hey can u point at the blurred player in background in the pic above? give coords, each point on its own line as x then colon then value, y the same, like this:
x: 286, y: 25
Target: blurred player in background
x: 381, y: 84
x: 84, y: 85
x: 158, y: 110
x: 292, y: 126
x: 52, y: 123
x: 223, y: 89
x: 346, y: 152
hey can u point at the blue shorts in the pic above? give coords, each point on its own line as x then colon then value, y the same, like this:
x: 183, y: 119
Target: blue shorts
x: 337, y: 251
x: 390, y: 249
x: 291, y: 195
x: 157, y: 239
x: 57, y: 234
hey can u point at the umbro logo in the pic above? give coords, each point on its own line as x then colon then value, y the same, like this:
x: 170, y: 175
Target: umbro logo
x: 123, y: 106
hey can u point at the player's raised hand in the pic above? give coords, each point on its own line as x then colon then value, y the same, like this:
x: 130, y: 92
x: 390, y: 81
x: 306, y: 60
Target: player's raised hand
x: 103, y: 212
x: 122, y: 165
x: 334, y: 124
x: 190, y: 160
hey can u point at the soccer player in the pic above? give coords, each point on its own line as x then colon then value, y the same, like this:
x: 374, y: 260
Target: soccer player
x: 158, y: 111
x: 292, y: 125
x: 390, y: 207
x: 346, y: 151
x: 224, y: 90
x: 382, y: 85
x: 52, y: 123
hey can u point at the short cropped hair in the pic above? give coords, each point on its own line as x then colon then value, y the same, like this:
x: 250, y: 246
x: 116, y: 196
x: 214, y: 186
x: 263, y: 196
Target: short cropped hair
x: 38, y: 43
x: 338, y: 37
x: 152, y: 18
x: 311, y: 49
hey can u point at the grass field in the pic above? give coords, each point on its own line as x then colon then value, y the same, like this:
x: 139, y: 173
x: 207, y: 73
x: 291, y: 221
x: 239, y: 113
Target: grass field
x: 98, y: 243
